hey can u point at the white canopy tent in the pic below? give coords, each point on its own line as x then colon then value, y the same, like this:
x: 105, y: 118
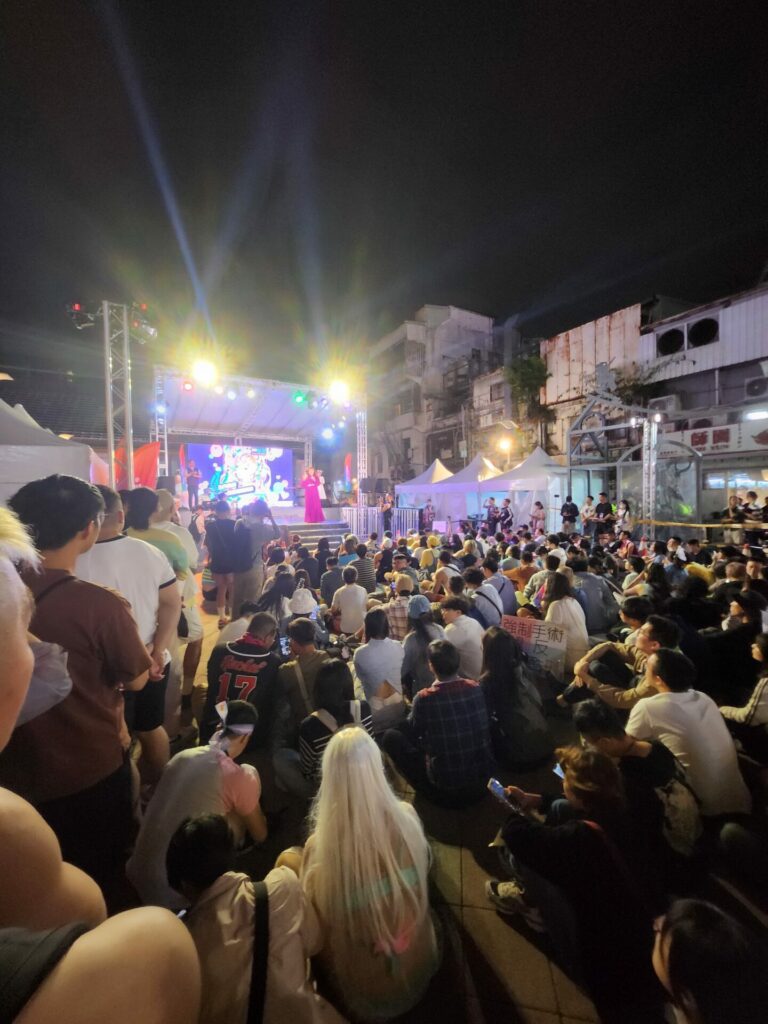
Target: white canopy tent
x: 539, y: 477
x: 28, y: 452
x: 459, y: 496
x: 418, y: 490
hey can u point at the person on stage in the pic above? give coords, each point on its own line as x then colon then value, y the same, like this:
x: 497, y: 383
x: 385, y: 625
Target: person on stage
x: 506, y: 517
x: 193, y: 483
x: 428, y: 516
x: 313, y: 510
x: 321, y: 492
x: 491, y: 513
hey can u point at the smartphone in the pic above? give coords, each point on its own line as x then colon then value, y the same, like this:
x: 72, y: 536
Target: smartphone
x: 285, y: 646
x: 559, y: 771
x: 499, y: 792
x: 313, y: 614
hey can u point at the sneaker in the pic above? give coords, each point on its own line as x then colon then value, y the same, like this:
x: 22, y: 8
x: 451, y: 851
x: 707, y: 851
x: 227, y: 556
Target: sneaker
x: 509, y: 899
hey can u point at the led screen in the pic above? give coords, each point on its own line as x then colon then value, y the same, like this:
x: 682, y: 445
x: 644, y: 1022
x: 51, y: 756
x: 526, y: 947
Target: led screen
x: 241, y: 474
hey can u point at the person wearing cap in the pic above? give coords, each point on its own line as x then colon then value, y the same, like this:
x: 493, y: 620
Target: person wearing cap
x: 378, y: 671
x: 422, y: 630
x: 397, y: 607
x: 382, y: 560
x: 200, y: 780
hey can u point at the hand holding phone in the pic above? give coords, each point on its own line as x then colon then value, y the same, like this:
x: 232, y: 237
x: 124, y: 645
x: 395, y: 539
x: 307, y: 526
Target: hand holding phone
x: 501, y: 795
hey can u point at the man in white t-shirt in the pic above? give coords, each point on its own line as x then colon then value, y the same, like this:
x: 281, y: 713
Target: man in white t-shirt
x: 143, y: 575
x: 351, y: 602
x: 690, y: 725
x: 199, y: 780
x: 465, y: 634
x: 553, y: 548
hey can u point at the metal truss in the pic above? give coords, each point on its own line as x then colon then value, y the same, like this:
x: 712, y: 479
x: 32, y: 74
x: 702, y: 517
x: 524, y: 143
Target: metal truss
x: 361, y: 422
x: 117, y: 388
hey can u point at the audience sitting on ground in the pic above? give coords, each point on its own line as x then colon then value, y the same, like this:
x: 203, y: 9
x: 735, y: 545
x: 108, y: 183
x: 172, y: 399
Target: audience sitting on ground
x: 297, y: 676
x: 749, y: 724
x: 504, y: 587
x: 235, y: 629
x: 444, y: 748
x: 732, y: 670
x: 617, y: 673
x: 691, y: 604
x: 378, y: 667
x: 519, y: 731
x: 276, y: 597
x: 422, y: 630
x: 484, y: 601
x: 334, y: 706
x: 364, y: 870
x: 396, y: 608
x: 445, y: 571
x: 200, y: 780
x: 562, y: 870
x: 310, y: 565
x: 662, y: 805
x: 602, y: 609
x: 331, y: 580
x: 549, y: 564
x: 224, y: 924
x: 735, y: 575
x: 714, y: 970
x: 465, y: 634
x: 562, y: 609
x: 634, y: 612
x: 522, y: 574
x: 690, y: 725
x: 349, y: 604
x: 247, y: 669
x: 366, y: 573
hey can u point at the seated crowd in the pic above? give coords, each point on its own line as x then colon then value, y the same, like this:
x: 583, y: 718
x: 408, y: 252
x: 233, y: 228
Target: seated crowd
x: 337, y: 675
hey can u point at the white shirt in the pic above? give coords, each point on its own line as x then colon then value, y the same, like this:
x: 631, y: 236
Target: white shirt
x: 691, y: 725
x: 569, y: 615
x: 352, y: 602
x: 379, y: 661
x: 558, y: 553
x: 135, y: 569
x: 466, y: 635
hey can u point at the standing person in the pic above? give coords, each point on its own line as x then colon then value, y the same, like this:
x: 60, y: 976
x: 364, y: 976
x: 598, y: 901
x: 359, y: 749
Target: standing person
x: 443, y: 748
x: 193, y: 484
x: 386, y: 507
x: 321, y: 492
x: 140, y: 511
x: 732, y: 518
x: 313, y: 510
x: 505, y: 515
x: 255, y: 527
x: 624, y: 521
x: 70, y: 762
x: 603, y: 511
x: 222, y: 558
x: 144, y: 577
x: 538, y: 517
x: 364, y: 869
x: 491, y: 513
x: 586, y: 512
x: 428, y: 516
x: 200, y: 780
x: 569, y: 513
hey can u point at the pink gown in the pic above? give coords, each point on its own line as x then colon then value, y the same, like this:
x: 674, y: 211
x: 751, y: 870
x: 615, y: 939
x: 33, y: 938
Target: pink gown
x: 313, y: 509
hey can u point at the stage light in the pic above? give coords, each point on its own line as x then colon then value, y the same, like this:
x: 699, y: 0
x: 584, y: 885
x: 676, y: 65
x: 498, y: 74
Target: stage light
x: 219, y: 389
x: 204, y: 372
x: 187, y: 385
x: 757, y: 414
x: 339, y: 392
x: 299, y: 397
x: 66, y: 437
x: 231, y: 394
x: 327, y: 434
x: 323, y: 403
x: 250, y: 393
x: 160, y: 409
x: 76, y: 307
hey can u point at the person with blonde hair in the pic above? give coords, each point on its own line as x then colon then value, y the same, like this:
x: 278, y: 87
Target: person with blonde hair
x: 364, y: 869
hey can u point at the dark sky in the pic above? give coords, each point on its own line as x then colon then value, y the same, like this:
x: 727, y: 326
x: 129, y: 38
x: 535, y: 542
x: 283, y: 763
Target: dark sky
x: 335, y: 165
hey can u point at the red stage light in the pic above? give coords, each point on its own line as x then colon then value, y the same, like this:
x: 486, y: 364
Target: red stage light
x: 143, y: 307
x: 187, y: 385
x: 76, y: 307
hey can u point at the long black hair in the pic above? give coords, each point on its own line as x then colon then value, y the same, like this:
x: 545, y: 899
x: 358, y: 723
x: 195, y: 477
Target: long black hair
x: 334, y: 690
x: 272, y: 600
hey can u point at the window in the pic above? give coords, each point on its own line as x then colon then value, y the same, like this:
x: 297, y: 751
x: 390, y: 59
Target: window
x: 406, y: 443
x: 703, y: 332
x: 497, y: 392
x: 670, y: 342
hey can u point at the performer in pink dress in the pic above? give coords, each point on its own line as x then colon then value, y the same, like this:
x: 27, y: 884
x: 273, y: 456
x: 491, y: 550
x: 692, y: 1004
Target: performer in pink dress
x: 313, y: 509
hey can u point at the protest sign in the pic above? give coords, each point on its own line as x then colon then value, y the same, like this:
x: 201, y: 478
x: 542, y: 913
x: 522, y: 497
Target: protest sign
x: 543, y: 642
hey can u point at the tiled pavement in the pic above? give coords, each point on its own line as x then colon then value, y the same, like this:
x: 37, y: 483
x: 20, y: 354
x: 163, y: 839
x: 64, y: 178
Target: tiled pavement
x: 494, y: 968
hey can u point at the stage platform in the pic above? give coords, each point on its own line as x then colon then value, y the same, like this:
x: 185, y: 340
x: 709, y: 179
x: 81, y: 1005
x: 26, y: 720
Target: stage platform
x: 290, y: 520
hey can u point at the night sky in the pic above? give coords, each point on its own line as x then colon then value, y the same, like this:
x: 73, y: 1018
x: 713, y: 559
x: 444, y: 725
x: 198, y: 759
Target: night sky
x: 331, y: 166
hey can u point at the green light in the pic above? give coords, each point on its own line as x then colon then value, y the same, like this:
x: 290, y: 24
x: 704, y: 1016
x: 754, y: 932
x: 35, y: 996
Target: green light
x: 299, y: 397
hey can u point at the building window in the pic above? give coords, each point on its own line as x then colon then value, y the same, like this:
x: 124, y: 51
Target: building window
x: 406, y: 442
x: 703, y: 332
x: 497, y: 392
x: 670, y: 342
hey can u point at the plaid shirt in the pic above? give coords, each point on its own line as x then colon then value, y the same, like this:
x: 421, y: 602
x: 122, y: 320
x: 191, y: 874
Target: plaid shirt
x: 450, y: 720
x: 397, y: 616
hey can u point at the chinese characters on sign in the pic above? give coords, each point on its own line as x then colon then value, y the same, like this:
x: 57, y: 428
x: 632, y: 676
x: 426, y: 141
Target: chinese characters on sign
x: 543, y: 642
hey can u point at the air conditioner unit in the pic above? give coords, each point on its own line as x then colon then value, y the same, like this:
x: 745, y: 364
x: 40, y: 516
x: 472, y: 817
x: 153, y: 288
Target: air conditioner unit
x: 665, y: 403
x: 756, y: 387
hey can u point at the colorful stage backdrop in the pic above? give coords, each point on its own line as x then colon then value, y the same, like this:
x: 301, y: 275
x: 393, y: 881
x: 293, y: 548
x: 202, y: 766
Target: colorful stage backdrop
x: 242, y: 474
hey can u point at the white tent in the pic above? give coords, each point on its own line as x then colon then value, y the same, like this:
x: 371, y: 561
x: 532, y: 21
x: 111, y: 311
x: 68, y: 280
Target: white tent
x: 417, y: 491
x: 459, y: 496
x: 28, y: 452
x: 539, y: 477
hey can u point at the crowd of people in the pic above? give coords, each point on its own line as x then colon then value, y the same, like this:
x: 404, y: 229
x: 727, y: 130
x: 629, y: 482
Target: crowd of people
x: 339, y: 672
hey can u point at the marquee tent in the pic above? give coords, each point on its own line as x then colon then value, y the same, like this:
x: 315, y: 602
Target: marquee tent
x: 28, y: 452
x: 418, y: 490
x: 459, y: 495
x: 539, y: 477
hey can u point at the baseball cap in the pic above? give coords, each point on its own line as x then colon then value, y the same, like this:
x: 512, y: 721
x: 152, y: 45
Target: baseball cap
x: 417, y: 606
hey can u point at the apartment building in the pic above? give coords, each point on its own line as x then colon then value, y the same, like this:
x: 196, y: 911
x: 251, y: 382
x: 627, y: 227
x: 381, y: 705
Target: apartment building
x: 420, y: 394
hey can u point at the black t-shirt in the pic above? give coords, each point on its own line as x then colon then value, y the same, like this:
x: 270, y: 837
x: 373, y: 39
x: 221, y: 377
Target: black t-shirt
x: 603, y: 509
x: 569, y: 511
x: 242, y: 671
x: 224, y: 551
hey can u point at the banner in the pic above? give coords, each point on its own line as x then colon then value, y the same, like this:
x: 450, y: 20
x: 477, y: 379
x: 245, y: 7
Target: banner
x: 543, y: 642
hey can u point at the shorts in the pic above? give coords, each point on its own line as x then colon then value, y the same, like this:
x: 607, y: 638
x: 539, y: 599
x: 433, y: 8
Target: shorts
x: 145, y: 709
x: 194, y: 624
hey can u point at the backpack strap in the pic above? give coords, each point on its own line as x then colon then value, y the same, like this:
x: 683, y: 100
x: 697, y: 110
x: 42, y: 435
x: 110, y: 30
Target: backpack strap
x: 303, y: 686
x: 258, y: 993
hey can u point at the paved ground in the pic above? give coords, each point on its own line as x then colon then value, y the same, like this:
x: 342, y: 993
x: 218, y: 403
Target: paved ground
x: 494, y: 969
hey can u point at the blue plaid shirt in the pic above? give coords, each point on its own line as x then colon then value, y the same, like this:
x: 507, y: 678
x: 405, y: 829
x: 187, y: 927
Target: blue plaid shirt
x: 450, y: 720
